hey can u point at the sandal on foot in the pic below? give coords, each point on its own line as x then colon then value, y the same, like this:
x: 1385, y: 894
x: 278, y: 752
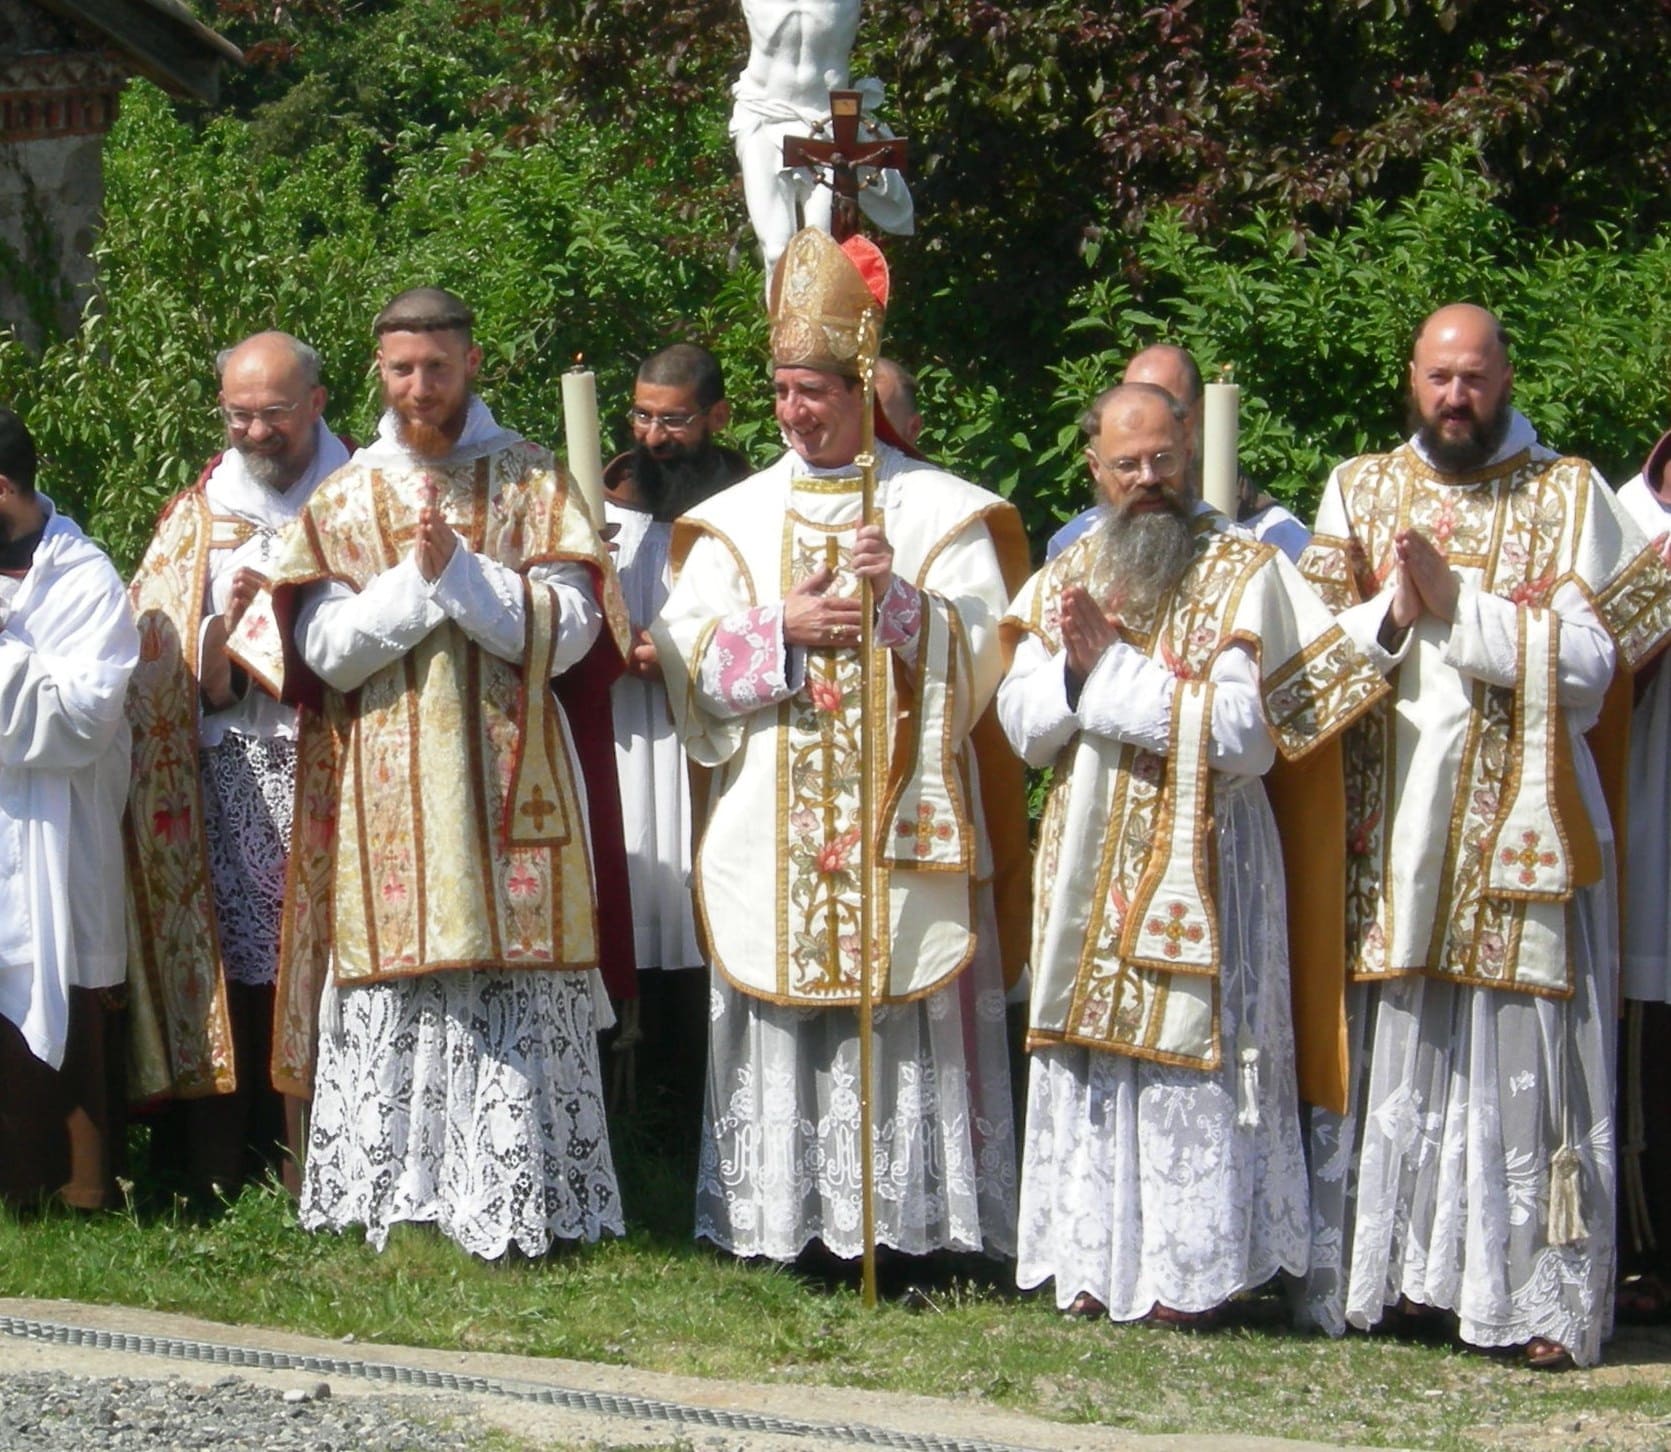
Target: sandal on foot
x: 1542, y: 1354
x: 1085, y: 1307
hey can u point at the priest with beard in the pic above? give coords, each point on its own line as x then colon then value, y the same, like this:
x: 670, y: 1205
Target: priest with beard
x: 441, y: 913
x: 1158, y: 666
x: 678, y: 405
x: 1498, y: 586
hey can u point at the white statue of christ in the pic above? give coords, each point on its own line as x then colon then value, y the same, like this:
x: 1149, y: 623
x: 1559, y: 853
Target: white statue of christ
x: 798, y: 54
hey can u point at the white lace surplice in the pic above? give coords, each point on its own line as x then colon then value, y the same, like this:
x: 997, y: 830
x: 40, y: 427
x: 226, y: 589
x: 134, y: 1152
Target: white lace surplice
x: 780, y: 1160
x: 1453, y: 1126
x: 1138, y: 1184
x: 249, y: 788
x: 650, y: 763
x: 469, y: 1100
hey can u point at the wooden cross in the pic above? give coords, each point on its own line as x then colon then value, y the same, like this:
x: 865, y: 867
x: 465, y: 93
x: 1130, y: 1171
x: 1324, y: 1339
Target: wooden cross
x: 838, y: 159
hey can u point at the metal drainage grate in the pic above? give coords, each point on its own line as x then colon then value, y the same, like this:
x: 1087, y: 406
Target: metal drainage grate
x: 391, y: 1373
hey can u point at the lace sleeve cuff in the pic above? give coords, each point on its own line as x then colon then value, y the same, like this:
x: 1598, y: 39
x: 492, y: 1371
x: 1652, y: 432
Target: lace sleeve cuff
x: 746, y: 664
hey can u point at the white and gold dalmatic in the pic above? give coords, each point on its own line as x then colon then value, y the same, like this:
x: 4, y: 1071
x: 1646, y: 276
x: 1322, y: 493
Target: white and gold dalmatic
x: 1487, y: 756
x: 441, y: 875
x: 446, y: 829
x: 1163, y: 1159
x: 777, y: 865
x: 1126, y: 946
x: 1474, y: 1168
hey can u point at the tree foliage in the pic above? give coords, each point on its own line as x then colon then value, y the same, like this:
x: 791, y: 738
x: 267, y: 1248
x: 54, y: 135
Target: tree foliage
x: 1285, y: 187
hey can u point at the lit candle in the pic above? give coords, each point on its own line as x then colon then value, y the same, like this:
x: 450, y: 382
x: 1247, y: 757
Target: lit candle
x: 580, y: 430
x: 1220, y: 461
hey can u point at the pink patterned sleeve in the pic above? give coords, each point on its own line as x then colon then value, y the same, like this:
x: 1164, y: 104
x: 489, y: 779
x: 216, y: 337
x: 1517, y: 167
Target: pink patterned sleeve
x: 899, y: 617
x: 746, y: 664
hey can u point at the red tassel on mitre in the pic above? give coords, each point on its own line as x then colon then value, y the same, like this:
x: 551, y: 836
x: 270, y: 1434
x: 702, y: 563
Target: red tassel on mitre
x: 867, y: 257
x: 872, y: 266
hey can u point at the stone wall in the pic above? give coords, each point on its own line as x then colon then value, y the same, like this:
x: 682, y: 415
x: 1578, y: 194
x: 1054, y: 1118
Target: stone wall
x: 58, y: 92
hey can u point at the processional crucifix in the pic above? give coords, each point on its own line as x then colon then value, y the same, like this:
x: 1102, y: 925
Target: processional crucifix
x: 836, y: 162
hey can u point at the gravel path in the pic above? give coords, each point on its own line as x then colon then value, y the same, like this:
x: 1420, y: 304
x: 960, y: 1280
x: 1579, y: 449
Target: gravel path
x: 54, y: 1412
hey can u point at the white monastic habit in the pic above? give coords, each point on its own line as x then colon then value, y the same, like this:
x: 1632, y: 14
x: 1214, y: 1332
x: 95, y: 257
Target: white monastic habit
x: 457, y: 1078
x: 1474, y: 1170
x: 776, y: 886
x: 1647, y: 926
x: 655, y: 788
x: 1273, y: 525
x: 1163, y: 1160
x: 67, y: 648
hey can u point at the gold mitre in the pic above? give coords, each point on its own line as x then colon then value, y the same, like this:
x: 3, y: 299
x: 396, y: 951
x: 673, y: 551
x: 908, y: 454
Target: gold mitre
x: 826, y: 303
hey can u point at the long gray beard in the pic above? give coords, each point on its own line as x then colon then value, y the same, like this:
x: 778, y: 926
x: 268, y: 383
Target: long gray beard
x: 1139, y: 558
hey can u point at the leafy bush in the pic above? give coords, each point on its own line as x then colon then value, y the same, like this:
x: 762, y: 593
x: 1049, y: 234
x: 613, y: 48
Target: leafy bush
x: 562, y: 247
x: 1319, y: 331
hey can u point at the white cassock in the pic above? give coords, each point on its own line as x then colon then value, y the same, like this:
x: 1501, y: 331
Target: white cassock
x: 67, y: 647
x: 467, y: 1097
x: 650, y: 763
x: 1482, y: 1024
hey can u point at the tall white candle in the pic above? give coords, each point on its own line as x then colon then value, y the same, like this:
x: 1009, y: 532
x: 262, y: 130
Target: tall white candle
x: 1220, y: 457
x: 580, y: 430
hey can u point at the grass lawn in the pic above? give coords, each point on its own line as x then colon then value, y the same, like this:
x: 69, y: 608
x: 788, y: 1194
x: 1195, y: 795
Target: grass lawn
x: 658, y: 1301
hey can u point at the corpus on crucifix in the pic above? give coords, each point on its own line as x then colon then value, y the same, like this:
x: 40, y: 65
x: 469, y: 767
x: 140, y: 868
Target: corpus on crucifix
x: 797, y: 64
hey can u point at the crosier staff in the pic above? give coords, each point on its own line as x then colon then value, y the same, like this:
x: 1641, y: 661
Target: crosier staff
x: 872, y: 686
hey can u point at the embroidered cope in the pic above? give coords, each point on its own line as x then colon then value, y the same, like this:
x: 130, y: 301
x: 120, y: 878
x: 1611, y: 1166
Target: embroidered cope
x: 780, y: 727
x: 777, y: 865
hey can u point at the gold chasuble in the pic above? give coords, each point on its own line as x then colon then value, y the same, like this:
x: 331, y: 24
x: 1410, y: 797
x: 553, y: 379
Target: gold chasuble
x: 440, y: 823
x: 180, y: 1039
x: 782, y: 829
x: 1468, y: 835
x: 1126, y: 953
